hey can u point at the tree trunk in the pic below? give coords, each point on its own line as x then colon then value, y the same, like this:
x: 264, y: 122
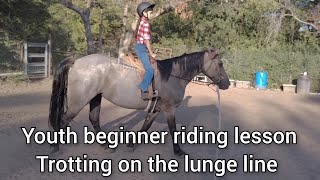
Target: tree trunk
x: 101, y: 29
x: 49, y: 55
x: 85, y: 16
x: 128, y: 31
x: 86, y: 21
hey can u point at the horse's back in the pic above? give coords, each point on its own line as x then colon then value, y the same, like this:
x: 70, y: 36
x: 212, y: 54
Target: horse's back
x: 89, y: 73
x: 101, y: 74
x: 94, y: 60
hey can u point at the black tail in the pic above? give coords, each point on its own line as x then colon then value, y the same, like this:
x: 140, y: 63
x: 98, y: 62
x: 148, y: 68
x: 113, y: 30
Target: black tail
x: 59, y: 93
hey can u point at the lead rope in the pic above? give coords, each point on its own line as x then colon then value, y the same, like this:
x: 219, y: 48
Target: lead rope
x: 219, y: 119
x: 219, y: 122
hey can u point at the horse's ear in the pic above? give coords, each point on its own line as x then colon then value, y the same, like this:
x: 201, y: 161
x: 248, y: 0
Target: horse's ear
x: 215, y: 52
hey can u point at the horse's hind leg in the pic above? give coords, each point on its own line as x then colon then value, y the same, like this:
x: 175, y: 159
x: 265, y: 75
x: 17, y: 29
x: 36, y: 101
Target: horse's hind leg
x: 66, y: 118
x: 146, y: 125
x: 94, y: 115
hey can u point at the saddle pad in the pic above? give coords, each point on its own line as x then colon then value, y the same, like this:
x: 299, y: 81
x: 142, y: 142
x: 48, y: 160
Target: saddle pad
x: 131, y: 61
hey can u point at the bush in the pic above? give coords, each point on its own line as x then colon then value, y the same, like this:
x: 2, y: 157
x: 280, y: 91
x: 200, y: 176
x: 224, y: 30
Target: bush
x: 283, y: 64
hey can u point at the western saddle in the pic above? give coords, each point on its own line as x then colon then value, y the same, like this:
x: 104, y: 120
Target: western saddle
x: 134, y: 62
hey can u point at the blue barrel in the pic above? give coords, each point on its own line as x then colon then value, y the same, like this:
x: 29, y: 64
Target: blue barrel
x: 261, y: 79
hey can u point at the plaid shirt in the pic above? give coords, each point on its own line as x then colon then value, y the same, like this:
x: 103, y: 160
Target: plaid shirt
x: 143, y: 32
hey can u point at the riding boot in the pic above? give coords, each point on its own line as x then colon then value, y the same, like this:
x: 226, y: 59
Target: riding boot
x: 144, y: 95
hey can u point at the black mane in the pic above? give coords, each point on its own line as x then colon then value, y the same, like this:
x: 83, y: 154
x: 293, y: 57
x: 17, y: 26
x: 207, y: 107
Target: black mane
x: 189, y: 63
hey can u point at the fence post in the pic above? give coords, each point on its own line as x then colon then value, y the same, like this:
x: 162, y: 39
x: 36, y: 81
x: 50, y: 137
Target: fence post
x: 49, y: 56
x: 25, y: 59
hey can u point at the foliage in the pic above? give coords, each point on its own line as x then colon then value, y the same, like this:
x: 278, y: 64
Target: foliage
x: 20, y: 21
x: 71, y: 23
x: 243, y: 32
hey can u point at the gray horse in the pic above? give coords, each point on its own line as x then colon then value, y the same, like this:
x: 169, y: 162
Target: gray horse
x: 88, y: 79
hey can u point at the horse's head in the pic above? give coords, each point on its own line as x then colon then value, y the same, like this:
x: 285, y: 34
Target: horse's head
x: 213, y: 68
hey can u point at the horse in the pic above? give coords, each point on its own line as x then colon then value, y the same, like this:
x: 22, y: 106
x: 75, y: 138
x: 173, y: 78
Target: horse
x: 82, y: 81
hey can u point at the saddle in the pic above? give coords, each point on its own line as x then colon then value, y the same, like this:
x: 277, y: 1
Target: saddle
x: 134, y: 62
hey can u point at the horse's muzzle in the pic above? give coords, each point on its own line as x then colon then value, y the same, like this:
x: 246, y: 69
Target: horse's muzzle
x: 224, y: 84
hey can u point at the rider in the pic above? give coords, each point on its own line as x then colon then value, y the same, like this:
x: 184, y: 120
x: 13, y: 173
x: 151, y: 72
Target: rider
x: 143, y: 37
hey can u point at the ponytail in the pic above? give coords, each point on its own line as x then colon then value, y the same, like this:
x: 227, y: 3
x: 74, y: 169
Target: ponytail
x: 137, y: 27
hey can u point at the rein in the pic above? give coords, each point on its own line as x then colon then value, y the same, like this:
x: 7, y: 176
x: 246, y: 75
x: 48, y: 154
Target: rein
x: 219, y: 119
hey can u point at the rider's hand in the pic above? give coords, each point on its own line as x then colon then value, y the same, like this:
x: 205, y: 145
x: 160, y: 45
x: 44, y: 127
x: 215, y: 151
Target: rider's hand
x: 153, y: 55
x: 152, y: 60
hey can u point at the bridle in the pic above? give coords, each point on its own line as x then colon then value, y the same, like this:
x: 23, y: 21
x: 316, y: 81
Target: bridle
x: 212, y: 57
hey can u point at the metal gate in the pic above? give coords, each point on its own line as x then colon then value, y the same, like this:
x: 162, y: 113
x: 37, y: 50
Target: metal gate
x: 36, y: 60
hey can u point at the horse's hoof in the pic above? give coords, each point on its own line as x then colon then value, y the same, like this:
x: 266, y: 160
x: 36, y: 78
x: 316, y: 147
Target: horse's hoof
x: 109, y: 150
x: 55, y: 149
x: 180, y: 153
x: 130, y: 149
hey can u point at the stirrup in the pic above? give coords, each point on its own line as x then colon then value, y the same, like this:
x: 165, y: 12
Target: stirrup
x: 153, y: 94
x: 149, y: 95
x: 144, y: 95
x: 152, y: 102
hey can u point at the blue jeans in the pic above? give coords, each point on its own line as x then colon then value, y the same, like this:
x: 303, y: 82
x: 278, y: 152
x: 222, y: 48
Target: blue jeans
x: 141, y: 51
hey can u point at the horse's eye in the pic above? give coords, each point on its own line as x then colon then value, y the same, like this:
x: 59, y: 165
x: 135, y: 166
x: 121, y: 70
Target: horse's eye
x: 220, y: 64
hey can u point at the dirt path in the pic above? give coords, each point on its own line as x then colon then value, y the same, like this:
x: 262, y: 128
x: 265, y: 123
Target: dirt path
x: 26, y: 105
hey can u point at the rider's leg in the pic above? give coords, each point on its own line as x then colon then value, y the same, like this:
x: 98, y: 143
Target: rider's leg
x: 141, y: 51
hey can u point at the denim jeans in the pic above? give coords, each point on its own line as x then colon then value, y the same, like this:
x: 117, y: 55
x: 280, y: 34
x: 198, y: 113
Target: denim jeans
x: 141, y: 51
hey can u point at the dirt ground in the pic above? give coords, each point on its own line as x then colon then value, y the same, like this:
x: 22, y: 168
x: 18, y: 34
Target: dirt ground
x: 26, y: 105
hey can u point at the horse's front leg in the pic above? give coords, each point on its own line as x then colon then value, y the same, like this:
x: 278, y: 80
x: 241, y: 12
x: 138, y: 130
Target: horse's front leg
x: 170, y: 116
x: 146, y: 125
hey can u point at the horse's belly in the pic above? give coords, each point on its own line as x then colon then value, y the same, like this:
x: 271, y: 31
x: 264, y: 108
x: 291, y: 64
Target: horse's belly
x: 129, y: 105
x: 124, y: 97
x: 121, y: 88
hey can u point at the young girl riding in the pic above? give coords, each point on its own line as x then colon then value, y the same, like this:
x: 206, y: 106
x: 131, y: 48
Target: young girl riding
x: 143, y: 45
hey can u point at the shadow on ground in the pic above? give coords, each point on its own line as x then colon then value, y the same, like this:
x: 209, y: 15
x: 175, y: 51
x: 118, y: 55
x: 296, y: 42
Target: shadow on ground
x: 296, y: 162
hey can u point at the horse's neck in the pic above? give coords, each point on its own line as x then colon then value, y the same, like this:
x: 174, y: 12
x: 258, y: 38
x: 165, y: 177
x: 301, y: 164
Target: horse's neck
x: 179, y: 73
x: 177, y: 70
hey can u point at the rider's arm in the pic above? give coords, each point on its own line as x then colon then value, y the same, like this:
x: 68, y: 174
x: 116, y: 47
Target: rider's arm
x: 153, y: 55
x: 148, y: 44
x: 147, y: 37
